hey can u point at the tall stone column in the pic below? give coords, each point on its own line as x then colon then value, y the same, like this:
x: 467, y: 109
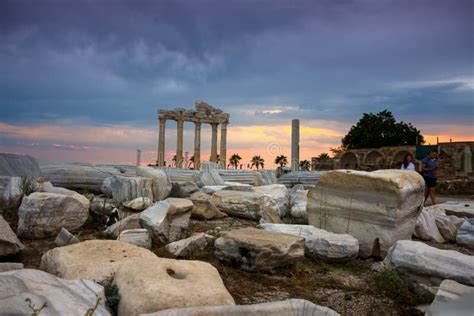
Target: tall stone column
x: 179, y: 144
x: 295, y: 145
x: 223, y: 149
x: 160, y: 159
x: 214, y: 142
x: 197, y: 145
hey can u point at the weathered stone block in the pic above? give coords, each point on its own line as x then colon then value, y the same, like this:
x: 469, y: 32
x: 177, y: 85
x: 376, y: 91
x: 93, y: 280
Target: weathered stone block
x: 17, y: 165
x: 161, y: 182
x: 127, y: 188
x: 258, y: 250
x: 465, y: 234
x: 428, y: 265
x: 150, y: 285
x: 139, y: 237
x: 319, y: 243
x: 9, y: 242
x: 289, y: 307
x: 96, y: 260
x: 167, y: 220
x: 63, y: 297
x: 194, y: 244
x: 378, y: 208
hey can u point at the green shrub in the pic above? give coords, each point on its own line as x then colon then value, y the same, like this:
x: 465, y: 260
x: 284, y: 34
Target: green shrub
x: 27, y: 185
x: 388, y: 283
x: 112, y: 297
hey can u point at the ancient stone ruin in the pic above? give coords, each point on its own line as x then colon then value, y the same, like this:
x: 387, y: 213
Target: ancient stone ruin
x: 202, y: 113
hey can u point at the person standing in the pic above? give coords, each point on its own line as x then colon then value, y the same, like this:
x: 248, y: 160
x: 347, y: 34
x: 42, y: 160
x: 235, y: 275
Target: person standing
x: 429, y: 169
x: 408, y: 163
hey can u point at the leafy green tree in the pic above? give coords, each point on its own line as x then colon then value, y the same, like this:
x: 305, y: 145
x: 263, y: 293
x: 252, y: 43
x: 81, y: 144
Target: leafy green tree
x: 257, y: 161
x: 173, y: 160
x: 381, y: 129
x: 305, y: 165
x: 337, y: 151
x: 281, y: 160
x: 218, y: 158
x: 323, y: 156
x: 234, y: 160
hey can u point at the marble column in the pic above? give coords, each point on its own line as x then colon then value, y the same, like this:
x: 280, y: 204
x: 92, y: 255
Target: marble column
x: 214, y: 142
x: 223, y: 149
x: 179, y: 144
x: 197, y: 145
x: 160, y: 159
x: 295, y: 145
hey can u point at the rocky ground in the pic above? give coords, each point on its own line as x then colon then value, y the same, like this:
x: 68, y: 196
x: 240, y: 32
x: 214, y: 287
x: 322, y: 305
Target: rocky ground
x: 114, y: 243
x: 358, y: 287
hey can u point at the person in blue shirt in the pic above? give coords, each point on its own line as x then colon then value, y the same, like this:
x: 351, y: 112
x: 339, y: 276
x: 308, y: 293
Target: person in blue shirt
x: 429, y: 169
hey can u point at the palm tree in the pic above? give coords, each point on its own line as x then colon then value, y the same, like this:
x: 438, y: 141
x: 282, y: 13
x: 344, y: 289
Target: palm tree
x: 305, y: 165
x: 257, y: 161
x: 174, y: 160
x: 281, y: 160
x: 218, y: 158
x: 234, y: 160
x: 323, y: 156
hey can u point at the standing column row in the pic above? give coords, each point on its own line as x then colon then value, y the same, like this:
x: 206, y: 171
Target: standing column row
x: 161, y: 143
x: 214, y: 142
x: 223, y: 157
x: 197, y: 143
x: 179, y: 144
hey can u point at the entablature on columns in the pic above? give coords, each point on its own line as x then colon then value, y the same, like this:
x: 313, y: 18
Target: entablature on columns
x: 202, y: 113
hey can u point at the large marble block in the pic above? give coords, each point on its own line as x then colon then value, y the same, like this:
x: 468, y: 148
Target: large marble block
x: 377, y: 208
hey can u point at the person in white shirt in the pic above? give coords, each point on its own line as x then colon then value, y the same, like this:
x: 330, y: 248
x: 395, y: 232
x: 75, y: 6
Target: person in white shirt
x: 408, y: 163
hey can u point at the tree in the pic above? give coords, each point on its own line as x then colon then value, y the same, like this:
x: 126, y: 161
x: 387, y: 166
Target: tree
x: 337, y: 151
x: 234, y: 160
x: 305, y: 165
x: 281, y: 160
x: 257, y: 161
x: 381, y: 129
x: 174, y: 160
x: 218, y: 158
x: 323, y: 156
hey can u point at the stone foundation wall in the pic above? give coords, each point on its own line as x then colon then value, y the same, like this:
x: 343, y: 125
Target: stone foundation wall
x: 451, y: 159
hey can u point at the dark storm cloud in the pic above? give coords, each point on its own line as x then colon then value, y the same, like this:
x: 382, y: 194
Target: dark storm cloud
x: 117, y: 61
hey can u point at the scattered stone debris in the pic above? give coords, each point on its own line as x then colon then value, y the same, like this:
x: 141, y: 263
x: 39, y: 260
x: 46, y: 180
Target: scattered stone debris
x: 259, y: 250
x: 65, y: 238
x: 192, y: 245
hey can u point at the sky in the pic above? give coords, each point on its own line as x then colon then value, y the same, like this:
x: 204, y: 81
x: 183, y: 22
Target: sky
x: 81, y: 81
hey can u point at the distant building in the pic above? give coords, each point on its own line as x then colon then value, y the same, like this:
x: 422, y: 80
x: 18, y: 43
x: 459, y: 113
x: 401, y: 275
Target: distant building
x: 452, y: 159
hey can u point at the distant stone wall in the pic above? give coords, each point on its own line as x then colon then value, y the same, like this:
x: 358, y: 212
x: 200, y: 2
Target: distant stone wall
x: 367, y: 159
x: 451, y: 159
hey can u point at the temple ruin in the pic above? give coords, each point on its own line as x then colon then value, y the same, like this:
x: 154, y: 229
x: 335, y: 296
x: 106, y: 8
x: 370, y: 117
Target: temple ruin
x: 455, y: 159
x: 202, y: 113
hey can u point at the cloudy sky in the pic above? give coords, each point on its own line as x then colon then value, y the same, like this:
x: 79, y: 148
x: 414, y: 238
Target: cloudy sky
x: 82, y: 80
